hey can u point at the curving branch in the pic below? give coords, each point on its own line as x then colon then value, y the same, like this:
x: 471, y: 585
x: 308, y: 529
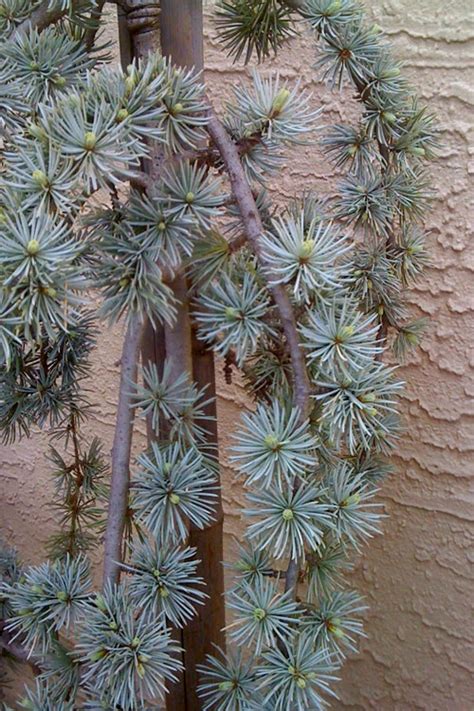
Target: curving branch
x: 118, y: 501
x: 40, y: 18
x: 253, y: 229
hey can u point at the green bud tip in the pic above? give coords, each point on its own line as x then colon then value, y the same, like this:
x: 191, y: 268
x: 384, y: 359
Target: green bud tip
x: 367, y: 397
x: 389, y: 117
x: 174, y: 499
x: 291, y: 669
x: 90, y: 140
x: 280, y: 100
x: 226, y: 685
x: 347, y: 331
x: 417, y: 151
x: 136, y: 641
x: 113, y: 626
x: 230, y: 313
x: 301, y: 682
x: 40, y: 178
x: 36, y: 131
x: 51, y: 292
x: 100, y: 602
x: 156, y: 573
x: 62, y: 596
x: 59, y: 81
x: 140, y: 670
x: 259, y: 614
x: 189, y: 198
x: 306, y: 249
x: 287, y: 515
x: 352, y: 500
x: 372, y: 411
x: 124, y: 281
x: 164, y: 592
x: 37, y: 589
x: 412, y: 338
x: 34, y: 66
x: 333, y: 8
x: 162, y: 226
x: 33, y: 247
x: 122, y: 115
x: 177, y: 108
x: 272, y: 442
x: 99, y: 654
x: 352, y: 150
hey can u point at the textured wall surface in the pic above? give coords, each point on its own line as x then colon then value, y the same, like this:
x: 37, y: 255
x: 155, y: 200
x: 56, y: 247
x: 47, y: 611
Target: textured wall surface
x: 416, y: 577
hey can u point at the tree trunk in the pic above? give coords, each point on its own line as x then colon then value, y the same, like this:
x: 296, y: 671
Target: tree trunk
x: 182, y: 41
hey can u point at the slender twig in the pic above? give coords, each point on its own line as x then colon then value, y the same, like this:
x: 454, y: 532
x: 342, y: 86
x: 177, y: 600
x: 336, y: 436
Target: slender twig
x: 40, y: 18
x: 118, y: 501
x: 253, y: 229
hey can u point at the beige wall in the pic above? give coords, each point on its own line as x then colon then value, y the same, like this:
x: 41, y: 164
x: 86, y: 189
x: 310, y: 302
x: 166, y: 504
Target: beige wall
x: 417, y: 576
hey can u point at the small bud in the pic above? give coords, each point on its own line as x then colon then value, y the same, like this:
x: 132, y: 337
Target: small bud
x: 100, y: 602
x: 164, y: 592
x: 279, y: 102
x: 99, y: 654
x: 291, y: 669
x: 372, y: 411
x: 37, y: 131
x: 417, y: 151
x: 62, y: 596
x: 226, y: 685
x: 37, y: 589
x: 352, y: 500
x: 301, y: 682
x: 177, y: 108
x: 136, y: 641
x: 144, y: 658
x: 358, y: 272
x: 90, y: 141
x: 121, y: 115
x: 162, y: 226
x: 412, y: 338
x: 392, y: 73
x: 51, y: 292
x: 352, y: 150
x: 333, y: 8
x: 347, y: 331
x: 113, y: 626
x: 287, y: 515
x: 259, y: 614
x: 34, y: 66
x: 306, y: 250
x: 389, y: 117
x: 337, y: 632
x: 140, y: 670
x: 380, y: 310
x: 367, y: 397
x: 189, y: 198
x: 272, y: 442
x: 33, y: 247
x: 156, y: 573
x: 174, y: 499
x: 124, y: 281
x: 59, y: 81
x: 230, y: 313
x: 40, y: 178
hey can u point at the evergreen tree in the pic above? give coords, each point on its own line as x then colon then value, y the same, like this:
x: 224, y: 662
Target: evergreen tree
x: 304, y: 298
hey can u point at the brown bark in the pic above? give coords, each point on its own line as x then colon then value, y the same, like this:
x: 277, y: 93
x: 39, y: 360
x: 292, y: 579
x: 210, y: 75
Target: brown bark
x: 182, y: 41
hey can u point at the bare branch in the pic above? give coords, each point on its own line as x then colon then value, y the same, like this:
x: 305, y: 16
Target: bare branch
x: 253, y: 228
x: 121, y: 449
x: 40, y: 18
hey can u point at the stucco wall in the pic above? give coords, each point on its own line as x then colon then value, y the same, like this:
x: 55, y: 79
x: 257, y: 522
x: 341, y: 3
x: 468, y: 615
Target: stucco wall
x: 417, y: 576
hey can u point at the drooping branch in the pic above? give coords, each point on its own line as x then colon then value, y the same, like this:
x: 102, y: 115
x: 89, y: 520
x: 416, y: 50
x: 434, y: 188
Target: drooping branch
x: 121, y: 450
x: 253, y: 229
x: 44, y: 15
